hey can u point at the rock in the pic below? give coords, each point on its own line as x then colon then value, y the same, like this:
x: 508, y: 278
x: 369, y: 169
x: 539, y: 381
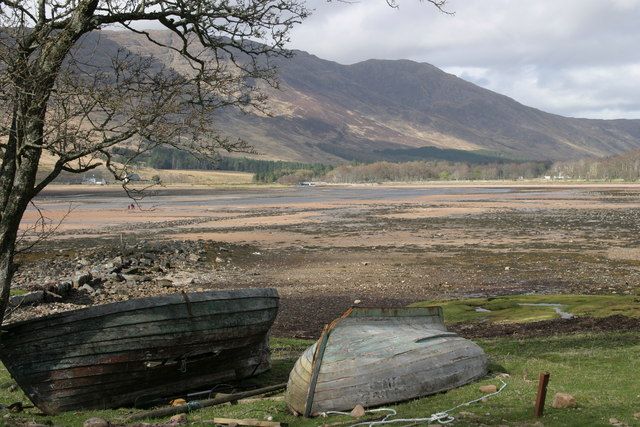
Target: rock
x: 131, y: 277
x: 178, y: 402
x: 132, y: 270
x: 507, y: 268
x: 357, y: 301
x: 365, y: 263
x: 88, y: 289
x: 491, y: 388
x: 164, y: 282
x: 219, y: 260
x: 83, y: 279
x: 96, y: 422
x: 116, y: 277
x: 145, y: 262
x: 178, y: 419
x: 95, y: 282
x: 616, y: 422
x: 358, y: 411
x: 64, y: 288
x: 193, y: 257
x: 563, y: 400
x: 26, y: 299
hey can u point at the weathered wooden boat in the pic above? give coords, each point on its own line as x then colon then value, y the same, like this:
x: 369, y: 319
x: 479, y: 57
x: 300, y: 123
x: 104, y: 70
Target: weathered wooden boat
x: 121, y: 353
x: 377, y: 356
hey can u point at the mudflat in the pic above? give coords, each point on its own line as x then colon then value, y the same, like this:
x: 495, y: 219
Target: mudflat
x: 326, y: 247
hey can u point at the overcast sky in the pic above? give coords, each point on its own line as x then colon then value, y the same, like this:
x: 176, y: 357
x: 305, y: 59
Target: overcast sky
x: 577, y: 58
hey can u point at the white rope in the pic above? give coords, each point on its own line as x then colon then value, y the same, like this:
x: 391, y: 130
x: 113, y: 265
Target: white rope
x: 439, y: 417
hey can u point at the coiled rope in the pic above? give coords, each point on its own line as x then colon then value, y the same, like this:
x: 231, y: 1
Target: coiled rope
x: 443, y: 417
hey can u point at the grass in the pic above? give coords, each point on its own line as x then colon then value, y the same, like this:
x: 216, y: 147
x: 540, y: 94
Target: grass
x: 600, y: 370
x: 508, y: 309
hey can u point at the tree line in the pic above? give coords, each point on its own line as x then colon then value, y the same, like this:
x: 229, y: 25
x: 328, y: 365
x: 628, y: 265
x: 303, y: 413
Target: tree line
x: 619, y: 167
x: 435, y: 170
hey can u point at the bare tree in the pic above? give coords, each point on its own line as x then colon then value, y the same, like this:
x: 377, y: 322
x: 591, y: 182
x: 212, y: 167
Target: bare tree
x: 77, y: 110
x: 75, y: 107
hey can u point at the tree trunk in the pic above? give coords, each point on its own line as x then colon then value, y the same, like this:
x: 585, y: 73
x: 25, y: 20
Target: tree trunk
x: 18, y: 176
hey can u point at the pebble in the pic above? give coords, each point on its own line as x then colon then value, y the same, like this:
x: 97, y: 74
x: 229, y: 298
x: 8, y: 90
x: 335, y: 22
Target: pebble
x: 563, y: 400
x: 96, y: 422
x: 178, y: 419
x: 358, y: 411
x: 88, y: 289
x: 491, y: 388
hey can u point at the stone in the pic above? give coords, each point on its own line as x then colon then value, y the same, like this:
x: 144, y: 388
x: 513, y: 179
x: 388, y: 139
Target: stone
x: 83, y: 279
x: 88, y: 289
x: 164, y: 282
x: 193, y: 257
x: 358, y: 411
x: 131, y: 277
x: 357, y: 301
x: 491, y: 388
x: 636, y: 415
x: 96, y: 422
x: 145, y: 262
x: 219, y: 260
x: 178, y: 402
x: 563, y: 400
x: 178, y: 419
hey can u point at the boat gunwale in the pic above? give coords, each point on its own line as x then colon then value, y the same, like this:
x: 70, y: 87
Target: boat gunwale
x: 143, y: 303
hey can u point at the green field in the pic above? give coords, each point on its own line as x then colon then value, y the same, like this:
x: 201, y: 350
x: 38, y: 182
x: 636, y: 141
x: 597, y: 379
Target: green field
x: 602, y: 371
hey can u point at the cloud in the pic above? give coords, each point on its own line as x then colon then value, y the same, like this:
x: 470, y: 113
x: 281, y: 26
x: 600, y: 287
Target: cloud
x: 572, y: 57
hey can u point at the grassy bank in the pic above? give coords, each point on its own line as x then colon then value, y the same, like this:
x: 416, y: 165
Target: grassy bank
x: 600, y: 370
x: 529, y: 308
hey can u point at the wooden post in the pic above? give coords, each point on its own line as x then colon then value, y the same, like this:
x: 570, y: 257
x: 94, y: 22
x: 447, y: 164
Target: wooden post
x: 543, y: 381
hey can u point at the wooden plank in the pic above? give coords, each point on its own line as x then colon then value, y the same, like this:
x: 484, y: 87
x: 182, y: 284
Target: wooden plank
x: 123, y: 307
x: 23, y: 334
x: 541, y: 396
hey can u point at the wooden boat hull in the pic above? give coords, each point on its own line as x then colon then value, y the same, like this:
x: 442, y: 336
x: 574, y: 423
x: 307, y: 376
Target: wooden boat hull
x: 124, y: 353
x: 373, y: 357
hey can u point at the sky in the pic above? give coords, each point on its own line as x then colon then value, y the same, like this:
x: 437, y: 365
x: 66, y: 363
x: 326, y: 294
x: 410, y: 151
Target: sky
x: 578, y: 58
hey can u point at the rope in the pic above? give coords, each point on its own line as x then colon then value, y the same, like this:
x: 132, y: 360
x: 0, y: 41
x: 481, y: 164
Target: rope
x: 439, y: 417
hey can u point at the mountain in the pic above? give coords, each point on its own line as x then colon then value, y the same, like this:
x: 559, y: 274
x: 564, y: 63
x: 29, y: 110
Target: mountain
x: 379, y: 109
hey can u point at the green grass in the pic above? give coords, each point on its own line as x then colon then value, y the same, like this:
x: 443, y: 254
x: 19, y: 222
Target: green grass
x: 601, y: 370
x: 507, y: 309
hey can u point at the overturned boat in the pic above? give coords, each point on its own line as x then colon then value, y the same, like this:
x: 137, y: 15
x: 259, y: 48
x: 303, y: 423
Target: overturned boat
x: 376, y: 356
x: 123, y: 353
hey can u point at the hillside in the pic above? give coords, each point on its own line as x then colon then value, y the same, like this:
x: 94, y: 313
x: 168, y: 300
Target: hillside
x: 378, y: 109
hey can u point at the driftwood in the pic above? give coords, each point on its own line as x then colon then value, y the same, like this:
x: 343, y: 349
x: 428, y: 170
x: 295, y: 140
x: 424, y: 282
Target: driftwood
x: 191, y: 406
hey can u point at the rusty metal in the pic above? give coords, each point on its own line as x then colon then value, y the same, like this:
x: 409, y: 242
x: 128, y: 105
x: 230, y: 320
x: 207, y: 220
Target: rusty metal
x: 543, y: 381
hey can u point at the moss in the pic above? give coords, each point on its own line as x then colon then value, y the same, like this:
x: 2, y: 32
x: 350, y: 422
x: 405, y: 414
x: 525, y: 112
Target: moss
x: 510, y: 309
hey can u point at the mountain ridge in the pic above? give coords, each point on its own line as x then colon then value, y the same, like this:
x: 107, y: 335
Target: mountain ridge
x: 330, y: 112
